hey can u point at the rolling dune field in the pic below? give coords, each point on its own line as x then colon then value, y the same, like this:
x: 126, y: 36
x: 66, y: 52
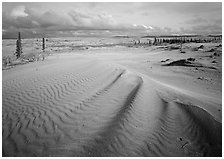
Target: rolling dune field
x: 77, y: 105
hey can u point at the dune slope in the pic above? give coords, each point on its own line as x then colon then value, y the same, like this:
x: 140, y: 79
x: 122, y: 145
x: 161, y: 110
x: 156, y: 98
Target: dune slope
x: 76, y: 106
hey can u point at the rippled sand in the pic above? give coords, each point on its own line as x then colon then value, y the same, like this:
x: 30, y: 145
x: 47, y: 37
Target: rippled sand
x: 73, y: 105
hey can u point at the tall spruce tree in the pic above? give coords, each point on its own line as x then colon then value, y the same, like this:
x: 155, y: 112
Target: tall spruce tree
x: 18, y: 52
x: 43, y: 44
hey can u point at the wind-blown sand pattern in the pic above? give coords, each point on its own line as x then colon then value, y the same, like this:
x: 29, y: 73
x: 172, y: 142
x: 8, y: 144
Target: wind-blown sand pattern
x: 79, y: 106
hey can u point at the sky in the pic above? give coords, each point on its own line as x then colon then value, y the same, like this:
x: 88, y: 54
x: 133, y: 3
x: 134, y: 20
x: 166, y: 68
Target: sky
x: 110, y: 18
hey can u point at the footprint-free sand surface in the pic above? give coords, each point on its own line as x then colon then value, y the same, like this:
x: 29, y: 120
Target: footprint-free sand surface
x: 107, y: 105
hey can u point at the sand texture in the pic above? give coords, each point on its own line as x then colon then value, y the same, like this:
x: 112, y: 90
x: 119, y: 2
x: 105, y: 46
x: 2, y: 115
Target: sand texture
x: 79, y: 105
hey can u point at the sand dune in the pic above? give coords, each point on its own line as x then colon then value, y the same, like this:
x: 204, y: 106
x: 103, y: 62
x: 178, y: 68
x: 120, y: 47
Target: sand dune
x: 77, y: 106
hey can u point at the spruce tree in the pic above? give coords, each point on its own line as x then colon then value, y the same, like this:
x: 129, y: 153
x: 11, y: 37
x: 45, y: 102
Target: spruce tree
x: 155, y: 41
x: 18, y: 52
x: 43, y: 45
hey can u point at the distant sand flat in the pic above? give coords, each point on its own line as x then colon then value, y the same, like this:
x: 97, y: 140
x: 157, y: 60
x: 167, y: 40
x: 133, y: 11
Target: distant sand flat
x: 78, y: 106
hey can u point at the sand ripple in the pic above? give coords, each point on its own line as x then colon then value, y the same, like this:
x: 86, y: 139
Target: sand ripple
x: 88, y: 108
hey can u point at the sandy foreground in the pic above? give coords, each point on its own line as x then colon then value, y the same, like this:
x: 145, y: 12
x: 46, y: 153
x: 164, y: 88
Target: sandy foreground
x: 115, y: 102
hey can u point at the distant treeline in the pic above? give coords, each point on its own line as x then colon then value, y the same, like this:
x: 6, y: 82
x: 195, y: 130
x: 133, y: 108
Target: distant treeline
x: 158, y: 40
x: 180, y: 36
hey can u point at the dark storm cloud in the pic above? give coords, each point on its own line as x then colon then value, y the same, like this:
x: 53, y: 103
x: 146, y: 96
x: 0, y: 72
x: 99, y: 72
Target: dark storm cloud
x: 132, y: 18
x: 32, y: 19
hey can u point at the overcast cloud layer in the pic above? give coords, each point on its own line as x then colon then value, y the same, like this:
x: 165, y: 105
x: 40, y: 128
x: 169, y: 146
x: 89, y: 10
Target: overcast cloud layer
x: 101, y: 19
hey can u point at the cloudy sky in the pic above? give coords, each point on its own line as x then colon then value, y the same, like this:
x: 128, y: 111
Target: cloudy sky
x: 101, y: 19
